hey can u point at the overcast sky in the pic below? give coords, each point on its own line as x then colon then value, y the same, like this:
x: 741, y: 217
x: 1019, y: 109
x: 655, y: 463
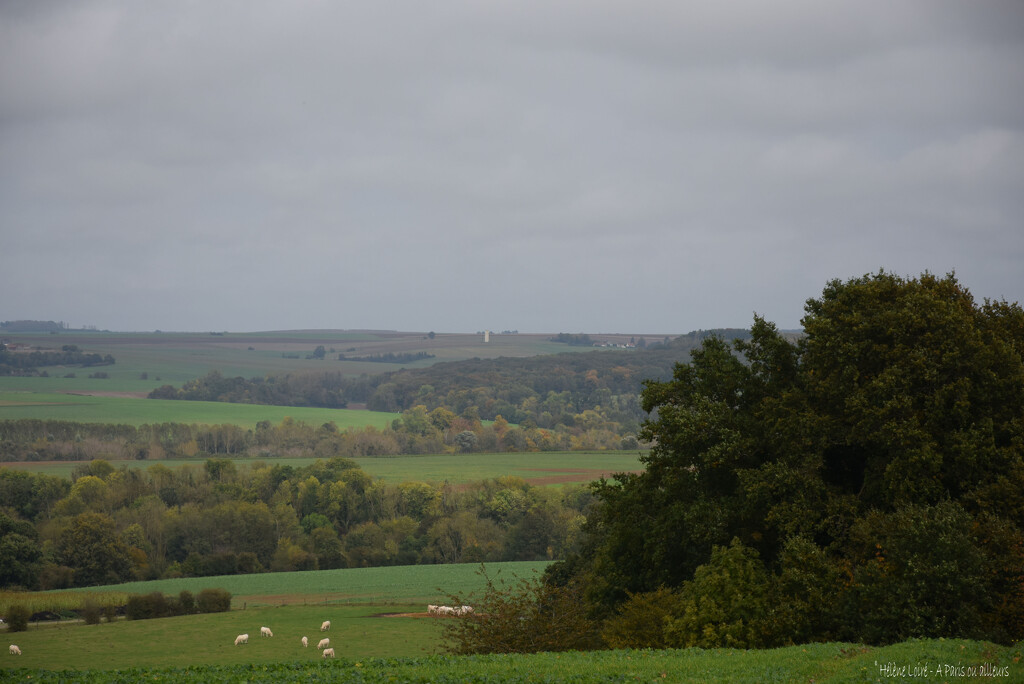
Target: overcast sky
x: 545, y: 166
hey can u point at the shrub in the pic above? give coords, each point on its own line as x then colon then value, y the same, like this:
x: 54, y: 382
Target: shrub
x: 90, y: 612
x: 805, y: 594
x: 527, y: 616
x: 214, y: 601
x: 187, y: 602
x: 641, y: 620
x: 922, y: 571
x: 726, y: 604
x: 17, y: 618
x: 56, y: 577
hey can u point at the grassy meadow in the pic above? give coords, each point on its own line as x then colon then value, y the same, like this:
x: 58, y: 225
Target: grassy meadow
x: 379, y: 634
x: 403, y: 584
x: 140, y: 411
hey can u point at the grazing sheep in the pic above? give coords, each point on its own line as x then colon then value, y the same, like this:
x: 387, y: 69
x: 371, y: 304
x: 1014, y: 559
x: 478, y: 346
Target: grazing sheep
x: 15, y: 650
x: 265, y: 631
x: 431, y: 609
x: 328, y: 653
x: 305, y: 642
x: 325, y: 626
x: 241, y: 639
x: 324, y: 643
x: 464, y: 610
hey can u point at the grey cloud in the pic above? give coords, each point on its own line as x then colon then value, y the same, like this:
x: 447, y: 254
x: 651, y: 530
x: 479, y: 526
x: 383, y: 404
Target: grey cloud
x: 652, y: 166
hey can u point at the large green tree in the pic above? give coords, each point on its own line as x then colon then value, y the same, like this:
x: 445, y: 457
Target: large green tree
x: 91, y: 546
x: 901, y: 408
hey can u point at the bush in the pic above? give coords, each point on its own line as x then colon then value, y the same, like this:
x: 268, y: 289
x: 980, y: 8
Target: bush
x: 17, y: 618
x: 923, y: 571
x: 805, y: 594
x: 214, y: 601
x: 56, y: 577
x: 146, y: 606
x: 90, y: 612
x: 525, y: 617
x: 156, y: 605
x: 641, y: 620
x: 726, y: 604
x: 187, y: 602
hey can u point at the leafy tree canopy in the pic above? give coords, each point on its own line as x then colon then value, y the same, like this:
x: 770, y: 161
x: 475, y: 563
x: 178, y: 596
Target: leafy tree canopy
x: 902, y: 404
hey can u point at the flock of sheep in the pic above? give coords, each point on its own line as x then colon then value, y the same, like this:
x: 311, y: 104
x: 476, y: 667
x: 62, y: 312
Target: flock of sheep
x: 324, y: 645
x: 449, y: 610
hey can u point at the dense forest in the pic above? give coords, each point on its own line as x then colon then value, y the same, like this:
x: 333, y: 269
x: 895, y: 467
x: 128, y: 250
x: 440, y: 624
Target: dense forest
x: 111, y: 525
x: 863, y: 484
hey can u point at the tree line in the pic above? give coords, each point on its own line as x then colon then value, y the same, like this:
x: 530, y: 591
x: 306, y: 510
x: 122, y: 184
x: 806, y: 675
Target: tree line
x: 29, y: 363
x: 567, y: 394
x: 415, y: 431
x: 108, y: 525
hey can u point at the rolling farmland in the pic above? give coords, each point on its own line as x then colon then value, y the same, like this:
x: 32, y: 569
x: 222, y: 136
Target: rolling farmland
x: 389, y: 639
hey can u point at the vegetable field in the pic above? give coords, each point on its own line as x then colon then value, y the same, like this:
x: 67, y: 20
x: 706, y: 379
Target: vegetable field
x: 950, y: 661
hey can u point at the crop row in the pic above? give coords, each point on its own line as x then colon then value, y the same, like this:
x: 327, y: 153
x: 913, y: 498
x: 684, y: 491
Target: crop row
x: 831, y: 662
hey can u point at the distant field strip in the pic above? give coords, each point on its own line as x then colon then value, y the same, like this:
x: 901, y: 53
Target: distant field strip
x: 131, y: 411
x: 406, y: 584
x: 558, y: 467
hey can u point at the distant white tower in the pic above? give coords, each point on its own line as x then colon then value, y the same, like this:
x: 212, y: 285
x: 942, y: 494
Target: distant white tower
x: 487, y: 336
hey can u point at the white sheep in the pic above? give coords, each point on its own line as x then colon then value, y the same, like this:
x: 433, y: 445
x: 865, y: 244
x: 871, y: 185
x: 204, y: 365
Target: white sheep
x: 265, y: 631
x: 241, y: 639
x: 328, y: 653
x: 431, y: 609
x: 305, y: 642
x: 324, y: 643
x: 325, y: 626
x: 464, y: 610
x: 15, y: 650
x: 445, y: 610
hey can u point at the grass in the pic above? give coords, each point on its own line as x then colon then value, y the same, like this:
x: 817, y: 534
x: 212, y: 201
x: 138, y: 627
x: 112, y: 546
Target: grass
x: 382, y: 585
x: 373, y: 648
x: 454, y: 468
x: 130, y: 411
x: 200, y: 648
x: 209, y: 638
x: 405, y: 584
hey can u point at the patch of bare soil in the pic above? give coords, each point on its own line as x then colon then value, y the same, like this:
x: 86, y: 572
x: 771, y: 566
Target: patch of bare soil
x: 100, y: 393
x: 573, y: 475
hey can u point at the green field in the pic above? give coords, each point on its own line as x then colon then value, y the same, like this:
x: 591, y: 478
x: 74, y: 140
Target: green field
x: 173, y: 358
x: 380, y: 634
x: 436, y: 468
x: 378, y: 637
x: 282, y: 658
x: 134, y: 411
x: 406, y: 584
